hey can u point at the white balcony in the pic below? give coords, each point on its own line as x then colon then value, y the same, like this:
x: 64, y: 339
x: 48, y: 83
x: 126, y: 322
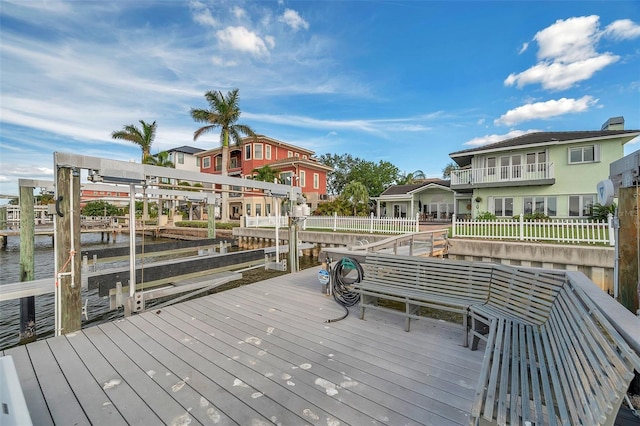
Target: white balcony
x: 514, y: 175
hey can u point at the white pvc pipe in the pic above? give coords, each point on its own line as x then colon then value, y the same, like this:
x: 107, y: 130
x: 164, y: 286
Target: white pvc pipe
x: 132, y: 242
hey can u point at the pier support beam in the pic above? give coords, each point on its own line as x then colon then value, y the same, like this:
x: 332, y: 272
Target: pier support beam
x: 27, y: 241
x: 67, y: 243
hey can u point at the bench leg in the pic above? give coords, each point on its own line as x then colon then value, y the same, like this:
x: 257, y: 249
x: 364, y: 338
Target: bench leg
x: 361, y: 312
x: 465, y: 329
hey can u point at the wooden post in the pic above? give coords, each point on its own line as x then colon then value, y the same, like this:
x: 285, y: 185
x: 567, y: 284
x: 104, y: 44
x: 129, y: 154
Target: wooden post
x: 628, y: 248
x: 211, y: 221
x: 27, y: 241
x: 67, y: 243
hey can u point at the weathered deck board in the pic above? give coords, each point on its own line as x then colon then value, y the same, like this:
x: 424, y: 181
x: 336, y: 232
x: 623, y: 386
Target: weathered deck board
x: 253, y: 355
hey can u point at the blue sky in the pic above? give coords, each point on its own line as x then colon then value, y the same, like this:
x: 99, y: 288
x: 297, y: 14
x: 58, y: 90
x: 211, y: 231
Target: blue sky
x: 405, y: 82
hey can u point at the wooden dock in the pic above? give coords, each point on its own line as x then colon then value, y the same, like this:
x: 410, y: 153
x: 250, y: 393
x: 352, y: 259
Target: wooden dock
x: 254, y: 355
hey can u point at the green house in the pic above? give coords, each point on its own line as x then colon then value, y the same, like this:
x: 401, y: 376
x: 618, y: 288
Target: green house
x: 554, y: 173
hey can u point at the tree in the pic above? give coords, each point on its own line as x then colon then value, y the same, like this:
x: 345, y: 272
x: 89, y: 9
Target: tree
x: 143, y: 136
x: 346, y: 168
x: 224, y: 113
x: 356, y: 193
x: 160, y: 159
x: 446, y: 171
x: 419, y: 175
x: 265, y: 174
x: 100, y: 208
x: 407, y: 179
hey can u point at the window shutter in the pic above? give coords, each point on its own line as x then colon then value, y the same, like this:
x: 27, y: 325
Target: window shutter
x: 596, y: 152
x: 492, y: 204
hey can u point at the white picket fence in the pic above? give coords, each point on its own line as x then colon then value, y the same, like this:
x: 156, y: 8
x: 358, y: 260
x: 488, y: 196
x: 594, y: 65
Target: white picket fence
x: 372, y: 224
x: 557, y: 230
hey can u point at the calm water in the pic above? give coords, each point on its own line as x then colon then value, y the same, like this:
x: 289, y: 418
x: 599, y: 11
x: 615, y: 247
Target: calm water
x: 97, y: 307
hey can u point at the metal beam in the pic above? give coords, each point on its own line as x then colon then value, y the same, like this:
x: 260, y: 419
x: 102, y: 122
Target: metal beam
x: 128, y: 172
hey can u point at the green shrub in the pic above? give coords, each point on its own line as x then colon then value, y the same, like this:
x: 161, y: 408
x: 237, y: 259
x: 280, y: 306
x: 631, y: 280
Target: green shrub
x: 485, y: 216
x: 600, y: 212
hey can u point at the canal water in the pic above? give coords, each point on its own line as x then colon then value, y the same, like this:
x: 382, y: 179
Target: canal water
x: 97, y: 307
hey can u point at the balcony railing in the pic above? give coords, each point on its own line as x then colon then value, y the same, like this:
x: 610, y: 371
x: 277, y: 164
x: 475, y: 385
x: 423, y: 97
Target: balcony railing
x: 502, y: 174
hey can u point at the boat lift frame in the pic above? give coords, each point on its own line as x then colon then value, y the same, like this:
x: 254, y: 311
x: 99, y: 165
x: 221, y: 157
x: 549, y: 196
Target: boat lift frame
x: 141, y: 179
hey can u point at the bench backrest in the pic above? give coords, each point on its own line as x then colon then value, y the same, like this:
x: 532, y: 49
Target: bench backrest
x: 592, y: 365
x: 468, y: 280
x: 524, y: 294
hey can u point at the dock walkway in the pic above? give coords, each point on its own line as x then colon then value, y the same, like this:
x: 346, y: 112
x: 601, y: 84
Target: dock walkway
x: 258, y: 354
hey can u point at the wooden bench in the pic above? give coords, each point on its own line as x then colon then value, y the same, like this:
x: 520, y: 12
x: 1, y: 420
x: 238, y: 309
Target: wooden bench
x: 418, y: 282
x: 552, y: 359
x: 522, y: 294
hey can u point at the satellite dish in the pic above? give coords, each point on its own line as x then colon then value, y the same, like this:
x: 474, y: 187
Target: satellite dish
x: 605, y: 191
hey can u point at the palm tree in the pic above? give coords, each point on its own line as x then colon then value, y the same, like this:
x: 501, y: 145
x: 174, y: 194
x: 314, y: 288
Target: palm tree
x: 265, y: 174
x: 356, y: 193
x: 143, y: 137
x: 224, y: 114
x: 450, y: 167
x: 160, y: 159
x: 419, y: 175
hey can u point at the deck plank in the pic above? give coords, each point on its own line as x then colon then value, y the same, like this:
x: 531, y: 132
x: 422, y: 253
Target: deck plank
x: 257, y: 354
x: 61, y: 400
x: 36, y: 403
x: 116, y: 387
x: 90, y: 395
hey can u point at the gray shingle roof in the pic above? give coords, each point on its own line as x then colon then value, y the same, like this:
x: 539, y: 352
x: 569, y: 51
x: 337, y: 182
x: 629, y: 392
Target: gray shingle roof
x: 405, y: 189
x: 186, y: 149
x: 546, y: 137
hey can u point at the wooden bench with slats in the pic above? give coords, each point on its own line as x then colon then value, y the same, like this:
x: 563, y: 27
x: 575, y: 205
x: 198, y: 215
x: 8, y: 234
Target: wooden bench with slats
x: 418, y: 282
x: 552, y: 356
x: 574, y: 368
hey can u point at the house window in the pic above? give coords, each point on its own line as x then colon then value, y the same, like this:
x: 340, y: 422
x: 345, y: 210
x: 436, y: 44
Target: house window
x: 218, y: 166
x: 247, y: 151
x: 580, y: 205
x: 297, y: 155
x: 248, y: 209
x: 536, y: 162
x: 198, y: 161
x: 181, y: 158
x: 289, y: 154
x: 233, y: 163
x: 304, y: 157
x: 491, y: 166
x: 584, y: 154
x: 285, y: 177
x: 545, y: 205
x: 258, y: 209
x: 257, y: 151
x: 503, y: 207
x: 206, y: 162
x: 303, y: 178
x: 316, y: 181
x: 267, y: 152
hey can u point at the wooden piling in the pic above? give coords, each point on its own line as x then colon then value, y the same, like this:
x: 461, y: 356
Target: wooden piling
x: 67, y: 240
x: 27, y: 242
x: 628, y: 209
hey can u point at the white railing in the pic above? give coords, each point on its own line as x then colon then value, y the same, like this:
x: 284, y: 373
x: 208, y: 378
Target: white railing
x: 265, y: 221
x: 520, y: 172
x: 557, y: 230
x: 372, y: 224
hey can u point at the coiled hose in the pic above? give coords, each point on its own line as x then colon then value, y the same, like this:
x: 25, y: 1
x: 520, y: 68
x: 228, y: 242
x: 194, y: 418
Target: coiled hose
x: 341, y: 278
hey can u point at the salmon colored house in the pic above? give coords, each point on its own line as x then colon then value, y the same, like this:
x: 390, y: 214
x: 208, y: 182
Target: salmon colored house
x: 293, y: 164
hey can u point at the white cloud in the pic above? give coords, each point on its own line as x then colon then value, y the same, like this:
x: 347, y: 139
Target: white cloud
x: 270, y: 41
x: 244, y: 40
x: 489, y: 139
x: 559, y: 76
x: 202, y: 15
x: 294, y: 20
x: 622, y: 29
x: 239, y: 12
x: 567, y: 52
x: 523, y: 49
x: 481, y: 121
x: 544, y: 110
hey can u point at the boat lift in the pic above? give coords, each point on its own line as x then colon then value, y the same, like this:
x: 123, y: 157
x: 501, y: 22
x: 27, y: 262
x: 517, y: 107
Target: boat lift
x: 143, y: 179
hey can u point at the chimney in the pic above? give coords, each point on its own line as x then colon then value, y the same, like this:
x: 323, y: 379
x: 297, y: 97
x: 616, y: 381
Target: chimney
x: 614, y: 123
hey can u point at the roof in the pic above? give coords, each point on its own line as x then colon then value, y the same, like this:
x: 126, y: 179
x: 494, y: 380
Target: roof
x: 542, y: 138
x: 407, y: 189
x: 292, y: 161
x: 186, y: 149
